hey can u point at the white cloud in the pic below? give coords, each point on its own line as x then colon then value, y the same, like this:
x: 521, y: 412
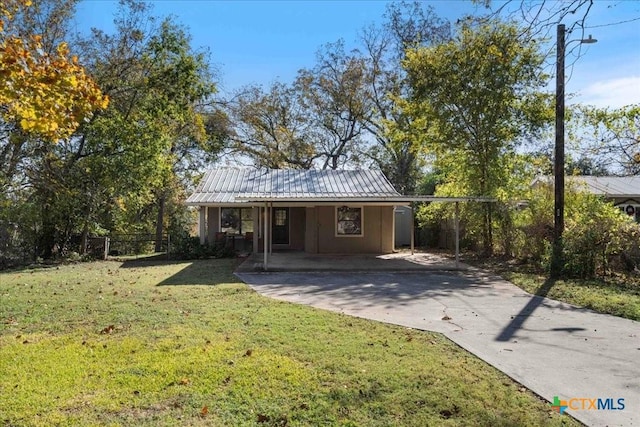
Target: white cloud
x: 613, y: 93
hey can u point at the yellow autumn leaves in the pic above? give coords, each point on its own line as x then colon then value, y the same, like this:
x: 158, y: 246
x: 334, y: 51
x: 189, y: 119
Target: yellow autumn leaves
x: 46, y: 94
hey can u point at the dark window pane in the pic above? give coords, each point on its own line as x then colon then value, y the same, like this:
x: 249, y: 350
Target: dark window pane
x: 349, y: 221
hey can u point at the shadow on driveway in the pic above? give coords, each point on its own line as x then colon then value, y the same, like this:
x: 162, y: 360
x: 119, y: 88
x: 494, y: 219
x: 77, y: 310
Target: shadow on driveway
x: 536, y: 301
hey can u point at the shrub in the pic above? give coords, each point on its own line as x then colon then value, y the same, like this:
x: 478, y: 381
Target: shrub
x: 597, y: 236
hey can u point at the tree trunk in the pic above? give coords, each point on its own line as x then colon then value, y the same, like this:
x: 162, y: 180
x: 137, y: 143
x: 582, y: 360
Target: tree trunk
x: 48, y: 235
x: 84, y: 238
x: 160, y: 223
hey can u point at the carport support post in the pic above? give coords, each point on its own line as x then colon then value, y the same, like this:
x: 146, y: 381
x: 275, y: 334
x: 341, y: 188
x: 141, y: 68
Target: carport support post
x: 457, y: 228
x: 265, y: 239
x: 202, y: 224
x: 413, y: 229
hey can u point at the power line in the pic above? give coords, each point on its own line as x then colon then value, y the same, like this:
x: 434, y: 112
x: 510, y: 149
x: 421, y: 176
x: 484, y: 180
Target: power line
x: 614, y: 23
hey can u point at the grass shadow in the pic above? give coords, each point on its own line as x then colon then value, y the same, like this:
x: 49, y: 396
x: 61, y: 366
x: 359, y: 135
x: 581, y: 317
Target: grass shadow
x: 518, y: 320
x: 204, y: 272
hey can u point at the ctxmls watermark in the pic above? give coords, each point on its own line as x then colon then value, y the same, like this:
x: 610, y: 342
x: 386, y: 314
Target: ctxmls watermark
x: 587, y: 404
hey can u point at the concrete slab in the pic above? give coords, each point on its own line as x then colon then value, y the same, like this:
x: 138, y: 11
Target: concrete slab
x: 553, y: 348
x: 302, y: 261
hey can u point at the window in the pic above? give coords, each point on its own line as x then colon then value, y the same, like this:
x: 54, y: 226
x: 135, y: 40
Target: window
x: 280, y: 217
x: 348, y: 221
x: 246, y: 225
x: 236, y: 220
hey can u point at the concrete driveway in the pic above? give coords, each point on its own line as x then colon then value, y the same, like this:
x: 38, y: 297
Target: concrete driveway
x: 552, y: 348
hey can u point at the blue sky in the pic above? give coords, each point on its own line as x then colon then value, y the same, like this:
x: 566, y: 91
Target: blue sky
x: 263, y: 41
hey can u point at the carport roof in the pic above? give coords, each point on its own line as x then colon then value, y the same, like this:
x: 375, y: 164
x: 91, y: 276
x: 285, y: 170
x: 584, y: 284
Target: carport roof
x: 228, y: 186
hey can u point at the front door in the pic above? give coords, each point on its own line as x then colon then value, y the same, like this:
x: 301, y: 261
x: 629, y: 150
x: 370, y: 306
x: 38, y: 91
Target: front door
x: 280, y: 226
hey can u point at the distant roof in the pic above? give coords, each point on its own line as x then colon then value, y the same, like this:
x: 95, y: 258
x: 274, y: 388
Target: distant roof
x: 243, y: 185
x: 608, y: 186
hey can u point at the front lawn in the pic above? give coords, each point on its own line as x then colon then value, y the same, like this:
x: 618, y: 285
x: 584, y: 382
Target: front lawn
x: 617, y: 294
x: 183, y: 343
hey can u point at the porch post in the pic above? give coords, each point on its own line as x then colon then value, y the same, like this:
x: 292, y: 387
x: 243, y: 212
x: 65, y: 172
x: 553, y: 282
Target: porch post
x: 270, y: 228
x: 413, y: 230
x: 202, y: 224
x: 457, y: 227
x: 265, y: 237
x: 393, y: 229
x: 255, y: 215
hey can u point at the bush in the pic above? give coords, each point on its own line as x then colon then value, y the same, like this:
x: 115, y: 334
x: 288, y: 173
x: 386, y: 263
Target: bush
x: 597, y: 236
x: 184, y: 246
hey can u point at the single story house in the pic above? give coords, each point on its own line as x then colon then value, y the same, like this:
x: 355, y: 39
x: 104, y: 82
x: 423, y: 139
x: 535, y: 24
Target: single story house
x: 316, y: 211
x: 622, y: 191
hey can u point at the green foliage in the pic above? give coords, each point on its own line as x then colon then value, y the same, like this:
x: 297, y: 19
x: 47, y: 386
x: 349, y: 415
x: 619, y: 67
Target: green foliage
x: 126, y: 169
x: 472, y: 99
x: 597, y: 236
x: 610, y: 136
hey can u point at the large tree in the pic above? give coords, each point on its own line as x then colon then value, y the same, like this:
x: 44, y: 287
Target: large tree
x: 124, y: 168
x: 407, y: 25
x: 472, y: 100
x: 44, y: 91
x: 271, y: 128
x: 333, y: 94
x: 609, y: 137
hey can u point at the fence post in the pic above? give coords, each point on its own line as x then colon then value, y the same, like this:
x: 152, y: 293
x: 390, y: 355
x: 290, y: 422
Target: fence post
x: 106, y: 247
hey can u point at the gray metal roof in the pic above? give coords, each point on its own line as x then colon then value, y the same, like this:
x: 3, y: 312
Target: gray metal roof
x: 242, y: 185
x: 608, y: 186
x: 611, y: 186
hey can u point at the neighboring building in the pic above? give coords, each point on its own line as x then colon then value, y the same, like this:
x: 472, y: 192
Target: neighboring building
x: 403, y: 226
x: 624, y: 192
x: 316, y: 211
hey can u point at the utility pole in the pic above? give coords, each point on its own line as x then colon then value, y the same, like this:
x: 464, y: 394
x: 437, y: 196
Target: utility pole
x: 557, y: 260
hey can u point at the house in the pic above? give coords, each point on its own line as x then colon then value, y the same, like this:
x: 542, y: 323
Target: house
x: 622, y: 191
x: 316, y: 211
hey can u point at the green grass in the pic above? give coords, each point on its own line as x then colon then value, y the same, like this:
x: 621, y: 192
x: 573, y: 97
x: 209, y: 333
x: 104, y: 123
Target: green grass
x: 618, y: 295
x: 139, y: 343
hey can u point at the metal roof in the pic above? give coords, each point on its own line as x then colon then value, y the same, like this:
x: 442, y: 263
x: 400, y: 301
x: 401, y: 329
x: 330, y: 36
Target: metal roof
x: 608, y: 186
x: 243, y: 185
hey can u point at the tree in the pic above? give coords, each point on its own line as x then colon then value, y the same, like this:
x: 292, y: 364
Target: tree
x: 407, y: 25
x: 610, y: 137
x: 46, y: 92
x: 333, y: 95
x: 124, y: 168
x: 471, y: 100
x: 272, y: 128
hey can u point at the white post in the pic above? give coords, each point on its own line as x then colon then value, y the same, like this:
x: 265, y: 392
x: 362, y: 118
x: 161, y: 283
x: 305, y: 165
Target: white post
x: 393, y: 229
x: 265, y: 236
x: 202, y: 224
x: 457, y: 227
x: 270, y: 228
x: 413, y: 231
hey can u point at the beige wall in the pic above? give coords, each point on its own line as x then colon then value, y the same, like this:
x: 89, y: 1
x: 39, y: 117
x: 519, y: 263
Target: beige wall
x: 213, y: 223
x: 297, y: 228
x: 311, y: 231
x: 377, y: 236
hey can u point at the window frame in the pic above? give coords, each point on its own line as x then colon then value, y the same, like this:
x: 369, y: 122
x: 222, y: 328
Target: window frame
x: 337, y: 220
x: 241, y: 231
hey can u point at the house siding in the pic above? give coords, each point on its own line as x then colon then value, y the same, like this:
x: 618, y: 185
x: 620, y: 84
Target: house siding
x: 297, y: 225
x: 311, y: 230
x: 213, y: 223
x: 377, y: 232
